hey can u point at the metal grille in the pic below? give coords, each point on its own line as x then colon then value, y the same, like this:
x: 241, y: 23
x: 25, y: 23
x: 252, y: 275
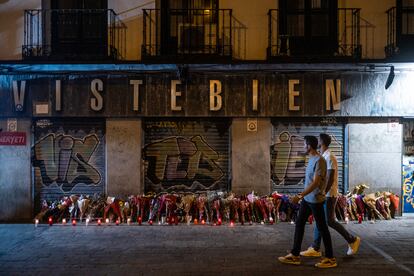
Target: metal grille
x: 190, y: 32
x: 186, y: 155
x: 288, y: 158
x: 287, y: 37
x: 80, y: 34
x: 68, y: 158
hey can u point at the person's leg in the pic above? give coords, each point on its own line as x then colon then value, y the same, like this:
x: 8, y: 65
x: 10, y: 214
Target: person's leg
x: 304, y: 212
x: 317, y: 238
x: 319, y: 215
x: 330, y: 206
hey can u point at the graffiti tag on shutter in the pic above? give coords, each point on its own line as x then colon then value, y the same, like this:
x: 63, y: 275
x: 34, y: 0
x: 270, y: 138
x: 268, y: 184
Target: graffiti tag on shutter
x: 177, y: 162
x: 65, y: 160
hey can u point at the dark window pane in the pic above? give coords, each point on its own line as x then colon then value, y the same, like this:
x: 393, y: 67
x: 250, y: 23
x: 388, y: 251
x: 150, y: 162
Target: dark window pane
x: 320, y: 23
x: 316, y: 4
x: 295, y: 25
x: 408, y: 3
x: 296, y: 4
x: 408, y: 23
x: 193, y: 4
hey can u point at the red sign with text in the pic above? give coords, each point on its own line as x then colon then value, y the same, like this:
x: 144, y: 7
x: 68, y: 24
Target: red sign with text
x: 12, y: 138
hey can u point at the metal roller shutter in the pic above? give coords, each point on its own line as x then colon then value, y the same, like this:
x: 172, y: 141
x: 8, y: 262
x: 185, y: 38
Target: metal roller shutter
x: 288, y: 158
x: 68, y: 157
x: 186, y: 155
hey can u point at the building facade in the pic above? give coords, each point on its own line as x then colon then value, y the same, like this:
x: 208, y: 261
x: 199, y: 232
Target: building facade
x: 123, y: 97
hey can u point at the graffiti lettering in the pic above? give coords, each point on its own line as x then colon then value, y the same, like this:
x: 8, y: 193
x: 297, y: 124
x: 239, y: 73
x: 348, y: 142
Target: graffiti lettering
x: 65, y: 160
x: 181, y: 160
x: 408, y: 175
x: 288, y: 159
x: 329, y: 121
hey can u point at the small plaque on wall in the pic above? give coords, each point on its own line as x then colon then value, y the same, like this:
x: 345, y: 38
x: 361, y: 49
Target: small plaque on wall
x: 393, y: 125
x: 41, y: 109
x: 252, y: 125
x: 11, y: 124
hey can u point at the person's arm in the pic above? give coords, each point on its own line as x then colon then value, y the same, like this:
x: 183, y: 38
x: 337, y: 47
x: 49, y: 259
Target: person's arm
x: 329, y: 179
x: 312, y: 186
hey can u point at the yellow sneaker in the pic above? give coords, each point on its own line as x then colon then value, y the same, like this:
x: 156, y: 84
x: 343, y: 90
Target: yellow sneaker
x: 311, y: 252
x: 290, y: 259
x: 327, y: 263
x: 353, y: 247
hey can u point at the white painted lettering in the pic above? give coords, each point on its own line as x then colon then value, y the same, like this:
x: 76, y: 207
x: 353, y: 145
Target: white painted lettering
x: 215, y: 98
x: 174, y: 95
x: 18, y: 95
x: 334, y: 94
x: 255, y: 94
x: 58, y: 96
x: 97, y: 102
x: 136, y: 84
x: 292, y: 94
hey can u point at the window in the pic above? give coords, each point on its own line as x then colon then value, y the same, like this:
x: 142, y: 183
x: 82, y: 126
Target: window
x: 308, y: 27
x: 408, y: 3
x: 192, y: 26
x: 408, y: 23
x: 316, y: 4
x: 295, y: 25
x: 295, y: 5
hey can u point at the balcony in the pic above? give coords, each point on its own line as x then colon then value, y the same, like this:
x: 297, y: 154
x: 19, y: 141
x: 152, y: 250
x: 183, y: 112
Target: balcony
x: 400, y: 33
x: 187, y: 35
x: 73, y: 34
x: 343, y: 44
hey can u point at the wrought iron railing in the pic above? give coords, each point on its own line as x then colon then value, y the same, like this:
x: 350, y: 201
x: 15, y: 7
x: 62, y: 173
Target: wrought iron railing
x: 187, y: 32
x: 400, y: 34
x: 62, y: 34
x: 391, y: 48
x: 348, y: 41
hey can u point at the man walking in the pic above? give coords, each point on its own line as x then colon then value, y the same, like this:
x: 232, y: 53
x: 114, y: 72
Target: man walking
x: 330, y: 204
x: 313, y: 199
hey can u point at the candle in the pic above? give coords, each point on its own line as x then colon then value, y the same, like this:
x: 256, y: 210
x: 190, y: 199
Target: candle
x: 99, y: 222
x: 150, y: 222
x: 36, y: 222
x: 129, y: 221
x: 271, y: 221
x: 87, y: 222
x: 107, y: 221
x: 74, y: 222
x: 203, y: 221
x: 195, y: 221
x: 219, y: 221
x: 139, y: 220
x: 117, y: 222
x: 50, y: 221
x: 251, y: 222
x: 64, y: 221
x: 231, y: 223
x: 360, y: 218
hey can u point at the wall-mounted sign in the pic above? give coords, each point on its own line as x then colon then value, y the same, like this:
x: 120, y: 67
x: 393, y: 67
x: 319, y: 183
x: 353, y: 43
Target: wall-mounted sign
x: 41, y: 108
x: 12, y: 124
x: 393, y: 125
x: 206, y: 94
x: 12, y: 138
x: 252, y: 125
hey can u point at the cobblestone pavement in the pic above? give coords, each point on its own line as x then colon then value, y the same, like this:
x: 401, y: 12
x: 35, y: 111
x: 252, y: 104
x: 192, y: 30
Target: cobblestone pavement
x: 387, y: 248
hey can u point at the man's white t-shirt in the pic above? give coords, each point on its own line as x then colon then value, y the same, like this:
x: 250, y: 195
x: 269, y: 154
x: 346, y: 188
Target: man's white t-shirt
x: 332, y: 164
